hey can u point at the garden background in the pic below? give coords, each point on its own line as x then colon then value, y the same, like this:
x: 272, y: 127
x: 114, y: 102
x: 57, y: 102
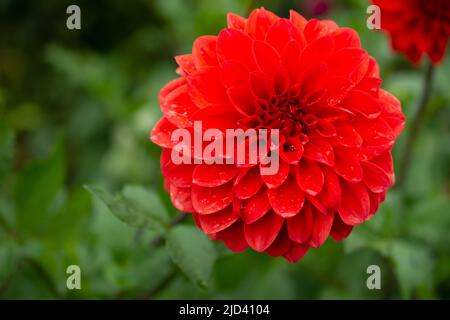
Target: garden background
x: 76, y: 108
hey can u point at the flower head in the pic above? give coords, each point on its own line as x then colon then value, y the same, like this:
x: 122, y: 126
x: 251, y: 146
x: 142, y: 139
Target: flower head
x: 417, y: 27
x: 313, y: 83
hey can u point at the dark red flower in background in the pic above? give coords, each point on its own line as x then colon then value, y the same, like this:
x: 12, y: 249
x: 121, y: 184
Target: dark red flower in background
x: 417, y: 27
x: 315, y: 8
x: 313, y: 82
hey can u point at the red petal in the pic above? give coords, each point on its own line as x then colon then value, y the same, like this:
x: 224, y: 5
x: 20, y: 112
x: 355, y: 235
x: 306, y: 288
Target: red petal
x: 375, y: 200
x: 204, y: 51
x: 298, y: 21
x: 287, y: 200
x: 242, y: 100
x: 259, y: 22
x: 355, y: 203
x: 175, y: 103
x: 292, y: 150
x: 235, y: 45
x: 281, y: 244
x: 377, y: 135
x: 361, y: 102
x: 205, y: 87
x: 347, y: 165
x: 209, y: 200
x: 256, y: 207
x: 325, y: 128
x: 351, y: 63
x: 340, y: 230
x: 235, y: 73
x: 162, y: 133
x: 346, y: 37
x: 336, y: 90
x: 370, y: 85
x: 334, y: 114
x: 281, y: 81
x: 262, y: 233
x: 213, y: 175
x: 316, y: 53
x: 315, y: 29
x: 314, y: 80
x: 273, y: 181
x: 217, y: 117
x: 234, y: 237
x: 375, y: 178
x: 394, y: 117
x: 300, y: 226
x: 266, y: 57
x: 181, y: 198
x: 309, y: 177
x: 179, y: 175
x: 186, y: 63
x: 236, y: 22
x: 348, y: 136
x: 321, y: 228
x: 317, y: 204
x: 291, y: 59
x: 281, y: 33
x: 374, y: 69
x: 391, y: 104
x: 375, y: 132
x: 247, y: 183
x: 261, y: 85
x: 296, y: 252
x: 330, y: 196
x: 217, y: 221
x: 320, y: 151
x: 386, y: 163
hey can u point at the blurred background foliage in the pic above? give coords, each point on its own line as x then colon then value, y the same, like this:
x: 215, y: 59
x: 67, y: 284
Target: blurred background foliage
x: 76, y: 108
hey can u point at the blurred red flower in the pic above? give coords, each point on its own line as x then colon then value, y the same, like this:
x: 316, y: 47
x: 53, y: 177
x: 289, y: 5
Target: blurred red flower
x: 417, y: 27
x: 313, y: 82
x: 315, y: 8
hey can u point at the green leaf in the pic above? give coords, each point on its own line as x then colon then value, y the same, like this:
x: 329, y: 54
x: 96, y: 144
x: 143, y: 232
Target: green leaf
x: 429, y: 221
x: 413, y: 266
x: 363, y: 237
x: 9, y: 258
x: 36, y: 190
x: 147, y: 200
x: 6, y: 149
x: 413, y: 263
x: 128, y: 209
x: 193, y: 252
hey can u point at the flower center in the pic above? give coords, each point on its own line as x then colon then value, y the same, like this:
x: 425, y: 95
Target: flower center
x: 281, y: 112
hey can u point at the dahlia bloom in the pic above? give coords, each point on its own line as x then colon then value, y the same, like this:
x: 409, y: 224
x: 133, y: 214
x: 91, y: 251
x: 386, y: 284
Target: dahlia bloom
x: 313, y: 82
x: 417, y: 27
x: 315, y: 8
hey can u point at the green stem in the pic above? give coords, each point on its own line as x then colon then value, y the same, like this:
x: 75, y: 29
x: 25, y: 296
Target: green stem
x: 44, y: 275
x: 163, y: 285
x: 415, y: 126
x: 158, y: 240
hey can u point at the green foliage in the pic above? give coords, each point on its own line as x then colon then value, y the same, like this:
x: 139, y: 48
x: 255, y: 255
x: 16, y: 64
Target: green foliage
x: 37, y: 187
x: 6, y: 149
x: 413, y: 266
x: 135, y: 206
x: 193, y: 252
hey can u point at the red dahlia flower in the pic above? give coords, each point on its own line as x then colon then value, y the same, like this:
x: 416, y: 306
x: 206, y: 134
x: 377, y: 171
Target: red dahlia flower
x: 417, y: 26
x: 313, y: 82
